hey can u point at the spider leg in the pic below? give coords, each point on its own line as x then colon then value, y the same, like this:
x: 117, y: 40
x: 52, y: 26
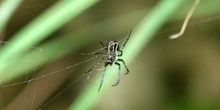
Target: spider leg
x: 121, y: 53
x: 127, y: 39
x: 97, y: 52
x: 124, y: 65
x: 103, y: 76
x: 95, y: 66
x: 102, y: 43
x: 119, y: 72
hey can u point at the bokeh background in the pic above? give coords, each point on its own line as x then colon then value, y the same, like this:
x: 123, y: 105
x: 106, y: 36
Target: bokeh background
x: 180, y: 74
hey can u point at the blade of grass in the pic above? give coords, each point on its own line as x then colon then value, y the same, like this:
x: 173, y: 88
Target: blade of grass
x: 7, y: 9
x: 41, y: 27
x: 140, y: 37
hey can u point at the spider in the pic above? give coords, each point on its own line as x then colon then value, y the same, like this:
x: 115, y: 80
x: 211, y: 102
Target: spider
x: 111, y: 57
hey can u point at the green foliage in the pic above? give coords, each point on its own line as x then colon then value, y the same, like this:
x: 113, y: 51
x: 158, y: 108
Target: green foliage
x: 57, y: 16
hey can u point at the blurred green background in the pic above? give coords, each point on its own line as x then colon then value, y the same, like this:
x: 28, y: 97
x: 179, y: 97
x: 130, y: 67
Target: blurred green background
x: 180, y: 74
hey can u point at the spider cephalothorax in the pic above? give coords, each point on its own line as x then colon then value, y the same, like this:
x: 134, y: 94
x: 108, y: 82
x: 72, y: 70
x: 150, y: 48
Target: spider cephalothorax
x: 112, y: 51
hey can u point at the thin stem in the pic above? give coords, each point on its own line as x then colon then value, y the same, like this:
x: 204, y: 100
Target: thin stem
x: 196, y: 3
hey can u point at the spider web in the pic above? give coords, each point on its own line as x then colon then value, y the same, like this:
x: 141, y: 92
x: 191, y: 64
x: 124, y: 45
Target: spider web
x: 30, y: 80
x: 29, y: 75
x: 30, y: 84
